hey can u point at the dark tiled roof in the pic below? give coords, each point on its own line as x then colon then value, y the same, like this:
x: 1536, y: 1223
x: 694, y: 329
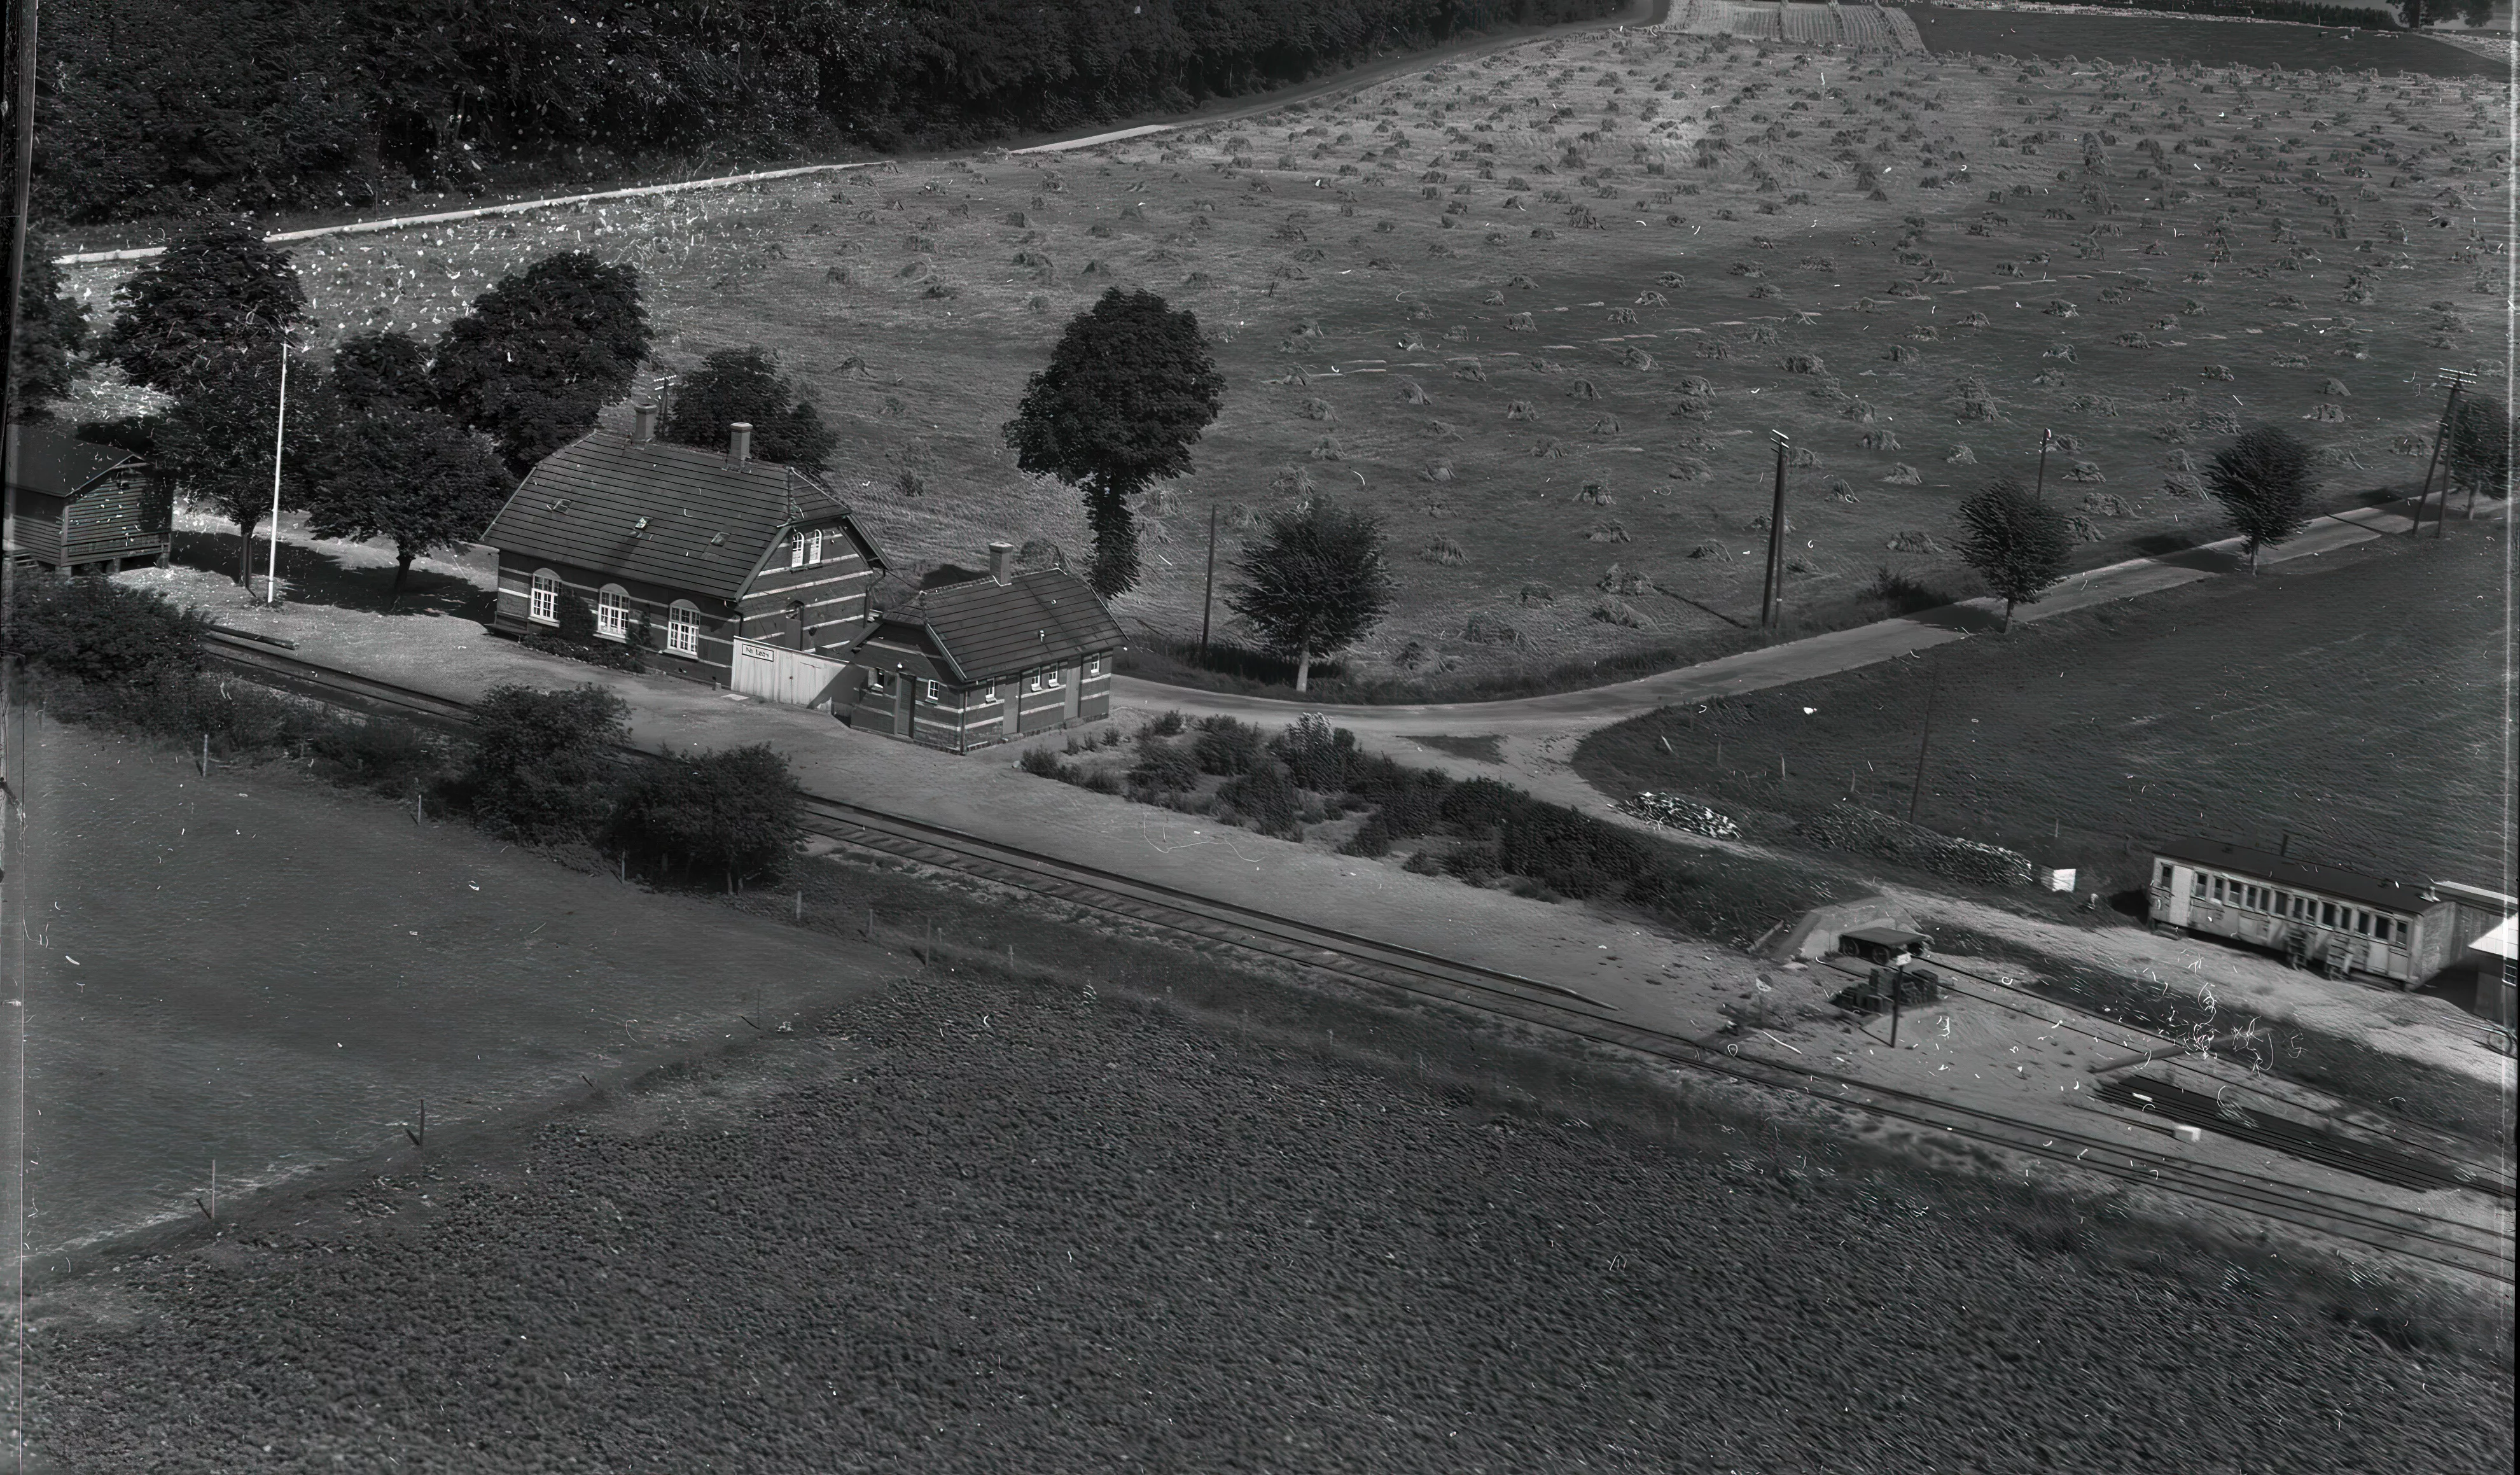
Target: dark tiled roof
x: 709, y: 524
x: 989, y: 630
x: 52, y: 460
x: 2298, y: 875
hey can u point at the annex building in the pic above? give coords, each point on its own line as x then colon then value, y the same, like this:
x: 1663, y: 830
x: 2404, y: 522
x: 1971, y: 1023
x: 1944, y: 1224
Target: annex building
x: 987, y: 660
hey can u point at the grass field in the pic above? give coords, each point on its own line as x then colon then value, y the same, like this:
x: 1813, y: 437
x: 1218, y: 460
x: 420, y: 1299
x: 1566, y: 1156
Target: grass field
x: 2052, y: 35
x: 1503, y: 303
x: 2353, y: 700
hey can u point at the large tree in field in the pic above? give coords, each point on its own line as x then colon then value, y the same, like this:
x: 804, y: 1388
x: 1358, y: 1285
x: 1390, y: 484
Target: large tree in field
x: 2263, y: 482
x: 2015, y: 542
x: 2479, y: 449
x: 214, y: 444
x: 52, y: 328
x: 408, y: 475
x: 743, y: 386
x: 217, y: 292
x: 541, y: 352
x: 1127, y: 390
x: 1314, y: 582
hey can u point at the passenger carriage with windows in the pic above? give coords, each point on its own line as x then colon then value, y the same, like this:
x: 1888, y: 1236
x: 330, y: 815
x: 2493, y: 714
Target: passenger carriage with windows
x: 987, y: 658
x: 719, y: 566
x: 2340, y: 921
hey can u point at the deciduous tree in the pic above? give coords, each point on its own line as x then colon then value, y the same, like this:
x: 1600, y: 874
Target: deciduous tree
x: 2263, y: 482
x: 52, y: 329
x: 2479, y: 451
x: 220, y: 294
x: 542, y: 352
x: 214, y: 445
x: 743, y: 386
x: 408, y: 474
x: 1314, y: 582
x: 383, y: 367
x: 2015, y: 541
x: 1127, y: 390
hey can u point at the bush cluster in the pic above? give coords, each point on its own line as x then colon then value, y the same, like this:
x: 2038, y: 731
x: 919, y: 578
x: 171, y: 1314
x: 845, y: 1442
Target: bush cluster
x: 94, y: 629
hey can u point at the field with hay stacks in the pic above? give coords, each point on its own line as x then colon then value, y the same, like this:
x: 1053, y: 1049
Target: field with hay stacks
x: 1541, y: 310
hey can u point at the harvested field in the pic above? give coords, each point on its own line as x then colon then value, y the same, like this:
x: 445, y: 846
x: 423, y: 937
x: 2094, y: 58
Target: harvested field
x: 2049, y: 35
x: 1601, y: 260
x: 2353, y: 700
x: 969, y: 1225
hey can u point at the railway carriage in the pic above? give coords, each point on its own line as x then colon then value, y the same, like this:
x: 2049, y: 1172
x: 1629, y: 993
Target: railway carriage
x: 2341, y: 921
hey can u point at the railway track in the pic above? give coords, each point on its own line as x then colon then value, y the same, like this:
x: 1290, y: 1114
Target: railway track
x: 2410, y: 1233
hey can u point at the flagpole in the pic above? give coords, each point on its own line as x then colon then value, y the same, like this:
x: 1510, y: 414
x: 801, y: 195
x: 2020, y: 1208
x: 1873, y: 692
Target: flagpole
x: 279, y: 432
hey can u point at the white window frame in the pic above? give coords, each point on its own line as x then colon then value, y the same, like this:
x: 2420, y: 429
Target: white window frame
x: 542, y: 597
x: 612, y: 613
x: 1035, y: 675
x: 1092, y: 666
x: 683, y: 629
x: 814, y: 548
x: 878, y: 683
x: 797, y: 551
x: 1053, y: 676
x: 931, y: 691
x: 990, y: 694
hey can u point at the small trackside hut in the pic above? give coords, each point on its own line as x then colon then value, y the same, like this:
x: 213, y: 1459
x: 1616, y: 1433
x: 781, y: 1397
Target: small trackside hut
x: 2341, y: 921
x: 76, y: 507
x: 987, y: 660
x: 719, y: 566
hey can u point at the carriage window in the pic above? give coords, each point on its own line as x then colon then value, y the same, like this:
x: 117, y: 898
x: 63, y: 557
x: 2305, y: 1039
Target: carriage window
x: 2218, y: 889
x: 2362, y: 923
x: 2164, y: 882
x: 2326, y: 913
x: 2195, y: 883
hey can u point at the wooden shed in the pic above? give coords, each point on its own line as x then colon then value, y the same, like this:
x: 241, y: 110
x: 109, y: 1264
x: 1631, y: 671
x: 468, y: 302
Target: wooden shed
x: 986, y: 660
x: 78, y: 507
x: 720, y: 567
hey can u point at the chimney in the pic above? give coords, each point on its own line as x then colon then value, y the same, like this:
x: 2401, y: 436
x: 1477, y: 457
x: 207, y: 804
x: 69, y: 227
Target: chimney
x: 999, y: 553
x: 645, y: 429
x: 739, y: 444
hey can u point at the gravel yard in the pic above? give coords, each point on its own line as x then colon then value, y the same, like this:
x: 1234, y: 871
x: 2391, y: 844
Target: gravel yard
x: 969, y: 1225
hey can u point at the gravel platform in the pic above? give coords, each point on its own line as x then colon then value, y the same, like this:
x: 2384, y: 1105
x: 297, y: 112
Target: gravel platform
x: 969, y: 1225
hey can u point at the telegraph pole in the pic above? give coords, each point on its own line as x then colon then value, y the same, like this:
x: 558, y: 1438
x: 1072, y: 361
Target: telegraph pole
x: 1207, y: 601
x: 2457, y: 380
x: 2046, y: 438
x: 1916, y: 790
x: 278, y: 438
x: 1769, y: 596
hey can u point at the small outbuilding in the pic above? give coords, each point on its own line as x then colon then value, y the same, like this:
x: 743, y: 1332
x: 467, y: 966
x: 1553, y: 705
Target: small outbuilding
x: 78, y: 507
x: 719, y: 566
x: 987, y: 660
x: 1882, y: 946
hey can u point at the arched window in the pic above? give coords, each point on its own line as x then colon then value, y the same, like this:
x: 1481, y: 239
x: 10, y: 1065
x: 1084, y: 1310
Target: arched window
x: 612, y: 613
x: 541, y: 607
x: 814, y: 547
x: 683, y: 629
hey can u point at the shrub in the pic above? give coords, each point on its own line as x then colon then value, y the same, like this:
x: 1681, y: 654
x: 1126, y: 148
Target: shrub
x: 1168, y: 724
x: 1161, y: 766
x: 393, y: 758
x: 96, y: 630
x: 1039, y: 762
x: 1265, y: 796
x: 540, y: 769
x: 1316, y: 753
x: 733, y: 813
x: 1226, y: 747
